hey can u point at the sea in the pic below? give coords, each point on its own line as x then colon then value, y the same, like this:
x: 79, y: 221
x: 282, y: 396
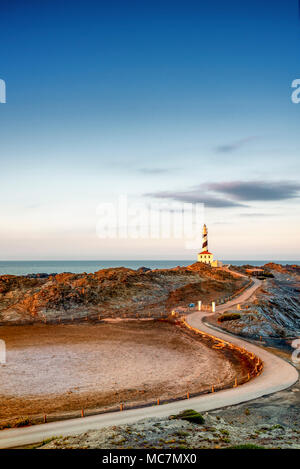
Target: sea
x: 51, y: 267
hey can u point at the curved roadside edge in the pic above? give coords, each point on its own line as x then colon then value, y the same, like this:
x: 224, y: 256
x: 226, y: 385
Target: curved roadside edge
x: 277, y: 374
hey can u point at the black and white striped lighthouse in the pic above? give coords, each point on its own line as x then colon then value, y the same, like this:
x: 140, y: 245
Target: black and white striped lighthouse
x: 204, y: 239
x: 205, y: 256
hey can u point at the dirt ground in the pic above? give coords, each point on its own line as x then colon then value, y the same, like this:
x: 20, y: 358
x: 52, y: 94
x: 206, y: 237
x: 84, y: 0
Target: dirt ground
x: 58, y: 369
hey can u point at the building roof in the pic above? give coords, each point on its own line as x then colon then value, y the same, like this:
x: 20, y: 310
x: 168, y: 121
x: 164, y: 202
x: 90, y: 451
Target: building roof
x: 205, y: 252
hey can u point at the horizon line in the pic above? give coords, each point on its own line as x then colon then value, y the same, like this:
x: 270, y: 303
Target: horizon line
x: 137, y: 260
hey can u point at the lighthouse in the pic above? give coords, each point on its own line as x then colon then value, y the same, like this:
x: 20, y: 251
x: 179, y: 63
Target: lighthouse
x: 205, y: 256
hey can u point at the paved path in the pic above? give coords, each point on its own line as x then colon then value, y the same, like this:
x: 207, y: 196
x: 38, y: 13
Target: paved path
x: 277, y: 375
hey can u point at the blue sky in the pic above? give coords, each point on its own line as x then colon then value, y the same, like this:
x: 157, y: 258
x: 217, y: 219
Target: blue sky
x: 186, y: 101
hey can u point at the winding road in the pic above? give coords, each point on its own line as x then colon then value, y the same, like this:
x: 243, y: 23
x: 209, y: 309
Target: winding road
x: 277, y: 375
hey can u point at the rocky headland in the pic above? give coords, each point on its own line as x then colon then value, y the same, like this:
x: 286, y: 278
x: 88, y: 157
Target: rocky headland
x: 110, y: 293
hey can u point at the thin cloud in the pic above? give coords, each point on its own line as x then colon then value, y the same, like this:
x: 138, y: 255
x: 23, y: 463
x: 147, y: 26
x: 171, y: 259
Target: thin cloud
x: 231, y: 147
x: 256, y: 190
x: 195, y: 196
x: 156, y: 170
x: 233, y: 194
x: 256, y: 215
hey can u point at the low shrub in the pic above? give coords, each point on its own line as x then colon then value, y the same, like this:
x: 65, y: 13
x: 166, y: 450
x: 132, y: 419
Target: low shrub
x: 190, y: 415
x: 229, y: 317
x: 246, y: 446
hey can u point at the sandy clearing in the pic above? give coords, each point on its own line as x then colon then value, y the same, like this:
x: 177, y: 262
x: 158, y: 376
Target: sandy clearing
x: 57, y: 368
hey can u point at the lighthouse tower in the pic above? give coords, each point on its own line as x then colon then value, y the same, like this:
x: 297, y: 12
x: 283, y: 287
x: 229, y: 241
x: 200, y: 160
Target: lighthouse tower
x: 205, y: 256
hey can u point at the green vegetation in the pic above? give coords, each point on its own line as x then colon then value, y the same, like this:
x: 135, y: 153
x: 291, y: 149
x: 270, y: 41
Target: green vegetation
x: 277, y: 427
x: 181, y: 433
x: 246, y: 446
x: 267, y: 274
x: 41, y: 443
x: 229, y: 317
x: 224, y: 432
x: 190, y: 415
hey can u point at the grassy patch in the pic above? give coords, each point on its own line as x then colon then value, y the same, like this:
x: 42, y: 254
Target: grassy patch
x: 181, y: 433
x: 224, y: 432
x: 190, y: 415
x: 280, y: 427
x: 229, y: 317
x: 41, y: 443
x: 246, y: 446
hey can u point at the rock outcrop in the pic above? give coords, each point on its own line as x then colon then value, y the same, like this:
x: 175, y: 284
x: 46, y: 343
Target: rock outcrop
x: 117, y: 292
x: 272, y: 316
